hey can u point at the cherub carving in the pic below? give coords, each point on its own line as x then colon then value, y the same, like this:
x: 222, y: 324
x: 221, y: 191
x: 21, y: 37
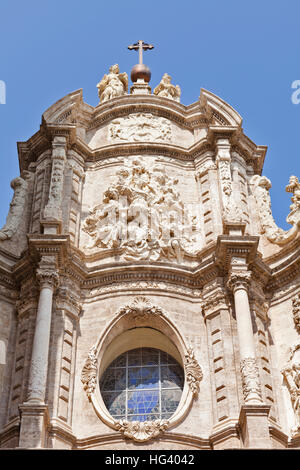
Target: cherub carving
x: 113, y: 84
x: 165, y: 89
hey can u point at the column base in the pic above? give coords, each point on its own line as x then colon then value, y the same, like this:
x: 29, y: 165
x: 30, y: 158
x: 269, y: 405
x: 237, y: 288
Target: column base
x: 254, y: 426
x: 34, y: 425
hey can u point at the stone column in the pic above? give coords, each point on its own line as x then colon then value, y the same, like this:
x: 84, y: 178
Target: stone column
x: 34, y: 412
x: 253, y: 419
x: 239, y: 282
x: 39, y: 359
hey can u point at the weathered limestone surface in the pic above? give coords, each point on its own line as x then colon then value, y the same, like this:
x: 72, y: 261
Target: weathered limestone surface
x: 142, y: 222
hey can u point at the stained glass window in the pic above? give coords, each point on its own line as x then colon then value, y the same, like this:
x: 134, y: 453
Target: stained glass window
x: 142, y: 385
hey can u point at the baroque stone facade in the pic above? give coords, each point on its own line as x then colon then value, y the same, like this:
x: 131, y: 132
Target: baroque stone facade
x: 142, y: 228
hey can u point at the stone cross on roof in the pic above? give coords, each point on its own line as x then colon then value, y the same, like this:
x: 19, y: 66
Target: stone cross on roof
x: 140, y: 46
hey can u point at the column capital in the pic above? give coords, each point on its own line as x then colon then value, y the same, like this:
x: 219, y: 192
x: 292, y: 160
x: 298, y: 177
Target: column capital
x: 47, y: 278
x: 239, y: 280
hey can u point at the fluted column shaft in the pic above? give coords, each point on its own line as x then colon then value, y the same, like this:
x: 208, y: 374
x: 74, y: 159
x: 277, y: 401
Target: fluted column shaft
x: 40, y: 350
x: 239, y: 282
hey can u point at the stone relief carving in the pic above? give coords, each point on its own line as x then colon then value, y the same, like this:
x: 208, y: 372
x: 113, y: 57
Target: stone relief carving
x: 291, y: 373
x: 16, y: 208
x: 193, y: 371
x: 89, y: 373
x: 143, y: 216
x: 165, y: 89
x: 141, y: 307
x: 274, y: 234
x: 250, y: 379
x: 113, y: 84
x: 141, y: 431
x: 140, y: 127
x: 296, y: 311
x: 53, y: 207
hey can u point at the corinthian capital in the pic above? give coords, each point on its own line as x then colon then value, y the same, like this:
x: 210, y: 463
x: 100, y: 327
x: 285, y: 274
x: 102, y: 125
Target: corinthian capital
x: 47, y: 278
x: 239, y: 280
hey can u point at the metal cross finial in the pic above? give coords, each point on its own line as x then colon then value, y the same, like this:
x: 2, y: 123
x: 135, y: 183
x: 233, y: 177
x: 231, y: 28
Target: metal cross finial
x: 140, y: 46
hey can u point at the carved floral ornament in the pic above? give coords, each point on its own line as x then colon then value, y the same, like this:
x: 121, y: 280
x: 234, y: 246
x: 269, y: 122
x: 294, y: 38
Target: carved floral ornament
x: 141, y: 307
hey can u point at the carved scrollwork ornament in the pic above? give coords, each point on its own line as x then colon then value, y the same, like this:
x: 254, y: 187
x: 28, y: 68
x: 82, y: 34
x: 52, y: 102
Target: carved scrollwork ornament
x: 89, y: 373
x: 141, y: 431
x: 140, y: 307
x: 193, y: 372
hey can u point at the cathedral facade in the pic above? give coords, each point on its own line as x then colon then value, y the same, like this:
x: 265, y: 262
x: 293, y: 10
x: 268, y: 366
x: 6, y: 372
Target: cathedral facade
x: 148, y: 298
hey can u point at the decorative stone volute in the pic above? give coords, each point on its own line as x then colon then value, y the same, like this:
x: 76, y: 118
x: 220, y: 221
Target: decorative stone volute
x: 193, y: 371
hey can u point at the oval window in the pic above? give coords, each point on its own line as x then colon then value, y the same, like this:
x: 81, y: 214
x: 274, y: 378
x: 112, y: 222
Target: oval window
x: 142, y: 384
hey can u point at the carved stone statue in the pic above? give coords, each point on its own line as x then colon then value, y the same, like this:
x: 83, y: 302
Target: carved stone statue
x: 143, y: 217
x: 274, y: 234
x: 113, y: 84
x: 292, y: 375
x: 16, y: 209
x: 294, y: 188
x: 165, y: 89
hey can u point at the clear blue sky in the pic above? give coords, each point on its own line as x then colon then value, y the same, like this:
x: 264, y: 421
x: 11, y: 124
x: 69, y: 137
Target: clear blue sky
x: 246, y: 53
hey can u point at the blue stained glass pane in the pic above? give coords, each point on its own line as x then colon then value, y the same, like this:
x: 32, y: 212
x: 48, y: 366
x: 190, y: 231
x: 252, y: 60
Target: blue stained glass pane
x: 135, y: 357
x: 143, y: 401
x: 143, y: 377
x: 119, y: 362
x: 171, y: 376
x: 150, y: 417
x: 170, y: 400
x: 115, y: 402
x: 150, y: 357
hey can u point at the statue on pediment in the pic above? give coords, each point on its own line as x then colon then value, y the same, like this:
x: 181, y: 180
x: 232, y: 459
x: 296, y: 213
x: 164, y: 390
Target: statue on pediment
x: 113, y: 84
x: 166, y: 89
